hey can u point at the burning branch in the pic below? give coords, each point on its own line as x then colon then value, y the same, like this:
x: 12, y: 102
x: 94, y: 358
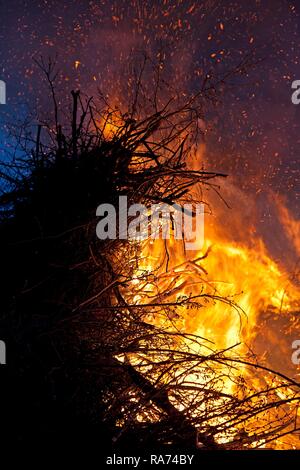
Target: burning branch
x: 113, y: 313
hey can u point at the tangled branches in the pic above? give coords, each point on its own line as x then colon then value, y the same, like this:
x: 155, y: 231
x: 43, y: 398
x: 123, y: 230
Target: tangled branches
x: 102, y: 334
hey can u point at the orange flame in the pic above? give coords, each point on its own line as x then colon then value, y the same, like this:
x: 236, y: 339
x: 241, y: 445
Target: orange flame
x: 234, y: 285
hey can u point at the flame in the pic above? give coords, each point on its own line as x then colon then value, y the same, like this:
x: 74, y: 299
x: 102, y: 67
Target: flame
x: 233, y: 284
x: 292, y: 226
x: 111, y: 122
x: 243, y: 275
x: 225, y: 293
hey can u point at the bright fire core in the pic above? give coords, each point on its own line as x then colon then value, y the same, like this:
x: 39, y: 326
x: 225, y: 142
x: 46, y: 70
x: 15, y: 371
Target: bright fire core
x: 233, y: 294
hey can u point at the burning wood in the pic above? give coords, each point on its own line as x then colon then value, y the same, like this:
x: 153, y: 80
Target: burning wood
x: 163, y: 336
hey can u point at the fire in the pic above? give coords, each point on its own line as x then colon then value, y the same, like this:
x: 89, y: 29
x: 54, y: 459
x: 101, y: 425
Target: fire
x: 291, y: 225
x: 235, y: 297
x: 231, y: 286
x: 111, y: 123
x: 241, y: 274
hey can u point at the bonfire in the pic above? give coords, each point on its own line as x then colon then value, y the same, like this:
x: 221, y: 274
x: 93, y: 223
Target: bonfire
x: 152, y: 343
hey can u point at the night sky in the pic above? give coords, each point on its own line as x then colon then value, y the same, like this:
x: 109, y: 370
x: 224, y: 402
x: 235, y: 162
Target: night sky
x: 253, y: 134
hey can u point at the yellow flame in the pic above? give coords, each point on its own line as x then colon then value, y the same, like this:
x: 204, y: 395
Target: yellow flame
x: 243, y: 274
